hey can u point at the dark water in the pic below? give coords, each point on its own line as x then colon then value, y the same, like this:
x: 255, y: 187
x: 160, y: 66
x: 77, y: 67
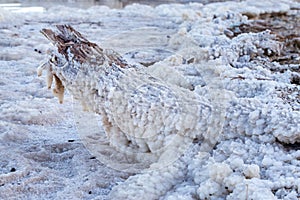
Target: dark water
x: 89, y: 3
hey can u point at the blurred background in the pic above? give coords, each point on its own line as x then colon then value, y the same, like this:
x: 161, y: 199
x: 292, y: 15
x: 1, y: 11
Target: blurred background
x: 12, y: 4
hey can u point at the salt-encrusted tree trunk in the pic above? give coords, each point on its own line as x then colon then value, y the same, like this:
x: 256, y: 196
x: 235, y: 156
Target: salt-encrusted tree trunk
x: 144, y: 114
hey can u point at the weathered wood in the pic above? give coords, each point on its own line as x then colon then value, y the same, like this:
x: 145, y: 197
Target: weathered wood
x: 70, y: 42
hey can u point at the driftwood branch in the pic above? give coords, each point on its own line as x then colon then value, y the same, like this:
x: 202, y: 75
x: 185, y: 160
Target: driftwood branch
x: 74, y: 47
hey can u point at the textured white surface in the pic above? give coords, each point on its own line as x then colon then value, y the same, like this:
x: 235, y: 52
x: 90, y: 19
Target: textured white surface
x: 38, y: 162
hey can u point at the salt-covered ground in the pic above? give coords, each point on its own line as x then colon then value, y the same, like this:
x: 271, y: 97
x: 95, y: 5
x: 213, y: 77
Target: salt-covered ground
x: 257, y: 153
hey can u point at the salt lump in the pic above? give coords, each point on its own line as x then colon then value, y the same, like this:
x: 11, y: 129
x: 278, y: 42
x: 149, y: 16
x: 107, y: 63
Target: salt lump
x: 252, y: 171
x: 245, y: 158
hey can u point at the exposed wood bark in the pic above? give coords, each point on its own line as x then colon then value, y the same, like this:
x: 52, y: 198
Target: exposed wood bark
x: 70, y: 42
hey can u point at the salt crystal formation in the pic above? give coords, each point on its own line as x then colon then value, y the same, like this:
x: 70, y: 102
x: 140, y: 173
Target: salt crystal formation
x: 223, y: 100
x: 140, y: 113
